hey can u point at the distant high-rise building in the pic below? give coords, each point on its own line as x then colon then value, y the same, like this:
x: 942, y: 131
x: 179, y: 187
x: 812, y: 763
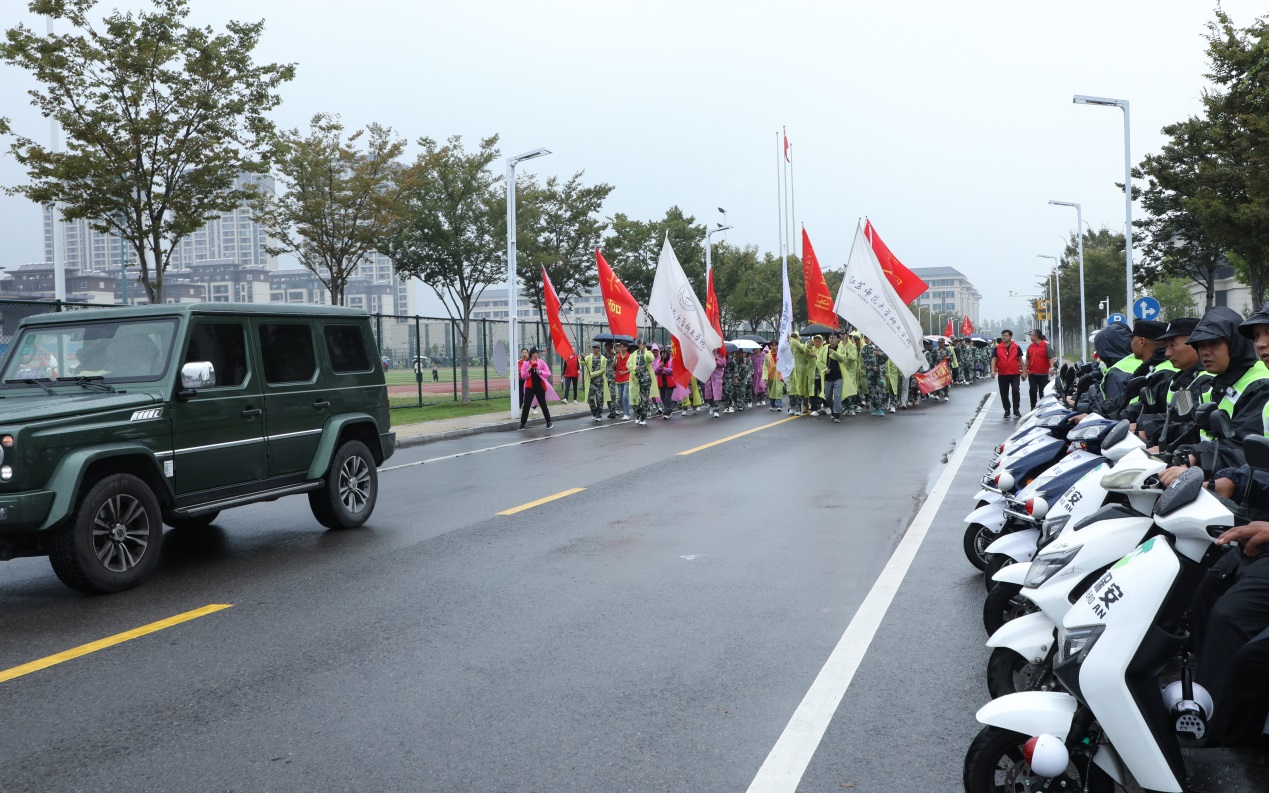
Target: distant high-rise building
x: 949, y: 291
x: 234, y: 235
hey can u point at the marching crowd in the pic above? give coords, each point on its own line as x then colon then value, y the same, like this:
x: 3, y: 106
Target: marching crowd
x: 836, y: 374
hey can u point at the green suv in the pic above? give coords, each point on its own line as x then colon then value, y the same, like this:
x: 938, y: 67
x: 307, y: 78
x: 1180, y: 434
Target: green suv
x: 116, y: 421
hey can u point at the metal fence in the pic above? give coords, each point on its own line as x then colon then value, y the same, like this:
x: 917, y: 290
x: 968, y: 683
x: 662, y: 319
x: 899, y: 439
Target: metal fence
x: 421, y: 356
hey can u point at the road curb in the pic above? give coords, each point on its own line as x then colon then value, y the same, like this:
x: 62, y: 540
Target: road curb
x: 446, y: 435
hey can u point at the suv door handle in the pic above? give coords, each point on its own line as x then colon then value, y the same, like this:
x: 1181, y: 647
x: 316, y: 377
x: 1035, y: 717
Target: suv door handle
x: 321, y: 404
x: 249, y: 412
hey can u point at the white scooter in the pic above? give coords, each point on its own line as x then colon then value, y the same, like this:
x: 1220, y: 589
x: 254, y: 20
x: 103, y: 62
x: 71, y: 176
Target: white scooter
x: 1115, y: 726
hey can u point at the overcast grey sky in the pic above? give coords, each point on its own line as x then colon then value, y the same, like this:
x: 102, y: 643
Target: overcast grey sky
x: 949, y: 124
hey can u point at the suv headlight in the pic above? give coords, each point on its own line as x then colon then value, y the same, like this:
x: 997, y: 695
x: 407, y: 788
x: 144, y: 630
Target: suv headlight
x: 1045, y: 567
x: 1121, y: 479
x: 1077, y: 642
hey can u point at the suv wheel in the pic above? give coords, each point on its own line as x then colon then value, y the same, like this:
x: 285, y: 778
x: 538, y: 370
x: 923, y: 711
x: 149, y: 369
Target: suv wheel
x: 192, y: 524
x: 352, y: 486
x: 112, y: 539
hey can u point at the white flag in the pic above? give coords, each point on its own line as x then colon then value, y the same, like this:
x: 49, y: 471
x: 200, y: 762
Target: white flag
x: 868, y: 301
x: 784, y: 353
x: 673, y: 303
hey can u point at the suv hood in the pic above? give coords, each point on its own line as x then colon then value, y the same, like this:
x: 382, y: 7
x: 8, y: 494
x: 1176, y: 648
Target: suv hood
x: 18, y: 406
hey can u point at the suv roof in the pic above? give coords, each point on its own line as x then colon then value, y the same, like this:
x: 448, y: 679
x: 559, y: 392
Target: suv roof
x: 179, y: 309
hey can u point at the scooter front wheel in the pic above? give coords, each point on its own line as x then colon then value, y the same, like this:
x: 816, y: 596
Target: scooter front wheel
x: 995, y: 563
x: 1008, y: 673
x: 1004, y: 603
x: 995, y: 764
x: 977, y: 538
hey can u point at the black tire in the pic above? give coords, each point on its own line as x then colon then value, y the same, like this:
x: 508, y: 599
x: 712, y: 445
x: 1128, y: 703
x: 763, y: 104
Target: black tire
x: 977, y: 538
x: 1003, y: 603
x: 1008, y: 673
x: 995, y: 563
x: 113, y: 538
x: 194, y: 523
x: 351, y: 488
x: 994, y: 764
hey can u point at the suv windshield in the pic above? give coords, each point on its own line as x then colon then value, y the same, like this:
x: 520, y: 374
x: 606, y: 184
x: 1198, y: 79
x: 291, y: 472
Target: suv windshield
x: 123, y: 351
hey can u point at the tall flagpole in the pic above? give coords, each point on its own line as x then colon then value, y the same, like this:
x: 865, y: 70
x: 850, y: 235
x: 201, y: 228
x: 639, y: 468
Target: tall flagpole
x: 779, y: 196
x: 793, y: 206
x: 788, y: 218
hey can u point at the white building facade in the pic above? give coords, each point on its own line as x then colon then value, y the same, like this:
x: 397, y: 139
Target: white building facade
x: 949, y: 291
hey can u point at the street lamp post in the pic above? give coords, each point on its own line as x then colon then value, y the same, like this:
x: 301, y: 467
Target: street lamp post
x: 513, y: 312
x: 708, y: 247
x: 1122, y: 104
x: 1079, y: 236
x: 1106, y: 305
x: 1057, y: 282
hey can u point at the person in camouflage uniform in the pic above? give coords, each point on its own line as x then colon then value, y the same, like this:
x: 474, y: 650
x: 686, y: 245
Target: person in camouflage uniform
x: 868, y: 387
x: 746, y: 374
x: 878, y: 392
x: 943, y: 353
x: 595, y: 382
x: 642, y: 375
x: 610, y: 384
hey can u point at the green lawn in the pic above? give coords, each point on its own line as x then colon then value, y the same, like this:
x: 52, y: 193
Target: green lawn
x: 449, y: 410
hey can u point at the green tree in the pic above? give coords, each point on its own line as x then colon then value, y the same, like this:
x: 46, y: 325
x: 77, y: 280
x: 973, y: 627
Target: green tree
x: 445, y: 232
x: 160, y: 119
x: 1175, y: 300
x: 1175, y: 243
x: 1103, y: 278
x: 339, y: 198
x: 563, y: 227
x: 634, y: 248
x: 1231, y: 202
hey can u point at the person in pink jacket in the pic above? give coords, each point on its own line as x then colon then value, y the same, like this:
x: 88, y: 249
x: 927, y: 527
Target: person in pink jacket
x: 535, y: 375
x: 712, y: 390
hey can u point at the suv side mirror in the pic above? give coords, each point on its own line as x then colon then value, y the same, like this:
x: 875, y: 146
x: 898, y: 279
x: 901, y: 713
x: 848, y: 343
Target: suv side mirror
x: 198, y: 374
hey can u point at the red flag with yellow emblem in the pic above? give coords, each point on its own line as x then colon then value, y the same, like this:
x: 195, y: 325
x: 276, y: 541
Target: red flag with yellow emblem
x: 712, y: 310
x: 563, y: 347
x: 819, y: 303
x: 904, y: 281
x: 619, y: 304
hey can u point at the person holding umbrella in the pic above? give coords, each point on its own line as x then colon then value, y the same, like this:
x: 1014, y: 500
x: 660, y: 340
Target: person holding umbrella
x: 535, y: 375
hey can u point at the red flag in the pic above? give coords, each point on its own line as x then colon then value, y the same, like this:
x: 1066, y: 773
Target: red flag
x: 949, y: 332
x: 967, y: 327
x: 901, y: 278
x: 682, y: 375
x: 563, y: 347
x: 712, y: 310
x: 786, y: 145
x: 620, y: 305
x: 819, y: 303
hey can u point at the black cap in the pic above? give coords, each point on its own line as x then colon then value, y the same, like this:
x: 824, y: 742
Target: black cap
x: 534, y: 351
x: 1183, y: 326
x: 1149, y: 329
x: 1261, y: 317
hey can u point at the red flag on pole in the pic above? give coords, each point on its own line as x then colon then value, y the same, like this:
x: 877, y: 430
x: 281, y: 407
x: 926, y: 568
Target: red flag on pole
x: 619, y: 304
x: 682, y: 375
x: 907, y: 284
x: 563, y: 347
x: 786, y: 145
x: 819, y: 303
x: 967, y: 327
x: 949, y: 332
x: 712, y: 310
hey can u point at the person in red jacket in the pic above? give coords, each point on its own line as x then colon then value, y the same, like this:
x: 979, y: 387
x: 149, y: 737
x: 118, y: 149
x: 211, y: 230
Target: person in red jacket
x: 572, y: 369
x: 663, y: 368
x: 1039, y: 365
x: 1006, y: 367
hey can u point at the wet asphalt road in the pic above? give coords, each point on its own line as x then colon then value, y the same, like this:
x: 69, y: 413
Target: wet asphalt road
x: 653, y: 632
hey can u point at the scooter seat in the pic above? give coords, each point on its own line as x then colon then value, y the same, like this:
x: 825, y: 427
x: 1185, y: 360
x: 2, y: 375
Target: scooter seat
x: 1225, y: 771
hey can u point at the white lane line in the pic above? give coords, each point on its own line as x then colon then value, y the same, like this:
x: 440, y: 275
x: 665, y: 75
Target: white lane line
x: 499, y: 446
x: 782, y: 771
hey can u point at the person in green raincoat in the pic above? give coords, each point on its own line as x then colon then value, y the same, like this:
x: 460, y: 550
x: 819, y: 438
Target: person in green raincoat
x: 859, y: 401
x: 835, y: 377
x: 798, y: 379
x: 775, y: 380
x: 640, y: 364
x: 595, y: 386
x: 815, y: 378
x: 893, y: 380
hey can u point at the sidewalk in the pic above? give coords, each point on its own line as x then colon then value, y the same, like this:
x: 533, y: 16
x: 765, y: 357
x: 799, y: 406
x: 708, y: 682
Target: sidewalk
x: 445, y: 429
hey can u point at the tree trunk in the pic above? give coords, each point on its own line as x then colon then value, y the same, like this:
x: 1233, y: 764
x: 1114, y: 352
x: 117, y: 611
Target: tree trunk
x: 463, y: 344
x: 1210, y: 290
x: 1256, y: 275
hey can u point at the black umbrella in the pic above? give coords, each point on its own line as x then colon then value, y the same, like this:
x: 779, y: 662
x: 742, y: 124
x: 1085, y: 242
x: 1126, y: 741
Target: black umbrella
x: 729, y: 347
x: 817, y: 329
x: 613, y: 337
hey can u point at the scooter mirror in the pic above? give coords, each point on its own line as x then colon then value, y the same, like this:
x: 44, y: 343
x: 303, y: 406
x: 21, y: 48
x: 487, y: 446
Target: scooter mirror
x: 1203, y: 415
x: 1221, y: 425
x: 1183, y: 403
x: 1256, y: 450
x: 1134, y: 385
x: 1116, y: 434
x: 1147, y: 396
